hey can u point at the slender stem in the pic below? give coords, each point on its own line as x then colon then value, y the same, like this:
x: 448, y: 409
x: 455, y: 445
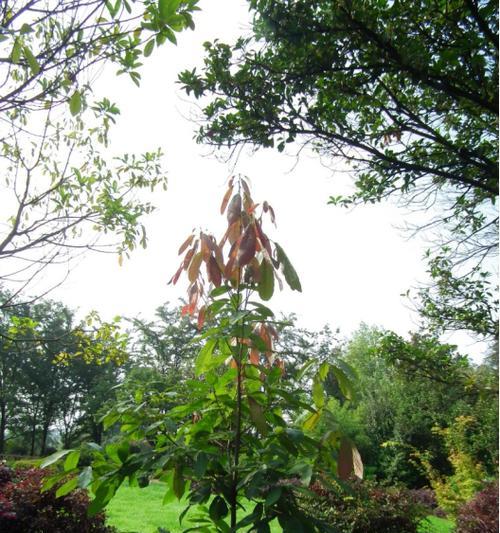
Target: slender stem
x: 239, y: 392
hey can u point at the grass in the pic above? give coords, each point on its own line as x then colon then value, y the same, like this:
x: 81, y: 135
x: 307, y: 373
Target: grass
x: 433, y: 524
x: 141, y: 511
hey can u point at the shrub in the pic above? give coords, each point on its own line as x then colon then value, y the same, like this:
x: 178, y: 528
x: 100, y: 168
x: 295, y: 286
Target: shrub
x: 6, y: 474
x: 25, y: 464
x: 426, y: 498
x: 363, y: 506
x: 480, y: 515
x: 24, y: 508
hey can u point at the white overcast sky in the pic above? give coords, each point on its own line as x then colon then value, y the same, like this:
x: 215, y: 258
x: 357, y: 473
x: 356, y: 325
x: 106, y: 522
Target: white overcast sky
x: 353, y: 266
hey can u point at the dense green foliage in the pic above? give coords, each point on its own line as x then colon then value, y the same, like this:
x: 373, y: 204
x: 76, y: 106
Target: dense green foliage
x: 406, y: 93
x: 405, y: 389
x: 55, y: 376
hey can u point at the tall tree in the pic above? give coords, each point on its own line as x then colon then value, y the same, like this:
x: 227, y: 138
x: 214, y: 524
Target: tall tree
x: 405, y: 92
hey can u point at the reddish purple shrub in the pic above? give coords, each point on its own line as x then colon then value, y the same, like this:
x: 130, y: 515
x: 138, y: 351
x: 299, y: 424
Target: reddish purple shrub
x: 426, y: 498
x: 480, y: 515
x: 6, y: 474
x: 25, y: 509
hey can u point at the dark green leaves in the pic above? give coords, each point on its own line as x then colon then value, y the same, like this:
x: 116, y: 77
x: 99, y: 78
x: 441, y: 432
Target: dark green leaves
x: 218, y: 509
x: 289, y: 272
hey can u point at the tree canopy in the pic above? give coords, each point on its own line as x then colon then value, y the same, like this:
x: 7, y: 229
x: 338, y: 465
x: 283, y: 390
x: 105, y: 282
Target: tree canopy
x: 61, y: 189
x: 405, y: 92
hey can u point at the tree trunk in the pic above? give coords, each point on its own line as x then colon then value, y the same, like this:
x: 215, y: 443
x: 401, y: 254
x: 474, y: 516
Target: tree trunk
x: 3, y: 425
x: 33, y: 436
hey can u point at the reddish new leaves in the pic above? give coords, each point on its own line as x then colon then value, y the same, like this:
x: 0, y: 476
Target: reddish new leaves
x: 244, y: 255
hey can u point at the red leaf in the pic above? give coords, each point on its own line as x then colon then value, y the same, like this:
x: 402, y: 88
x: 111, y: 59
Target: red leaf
x: 205, y: 247
x: 225, y: 200
x: 201, y: 317
x: 263, y: 238
x: 194, y: 267
x: 254, y: 265
x: 273, y: 216
x: 233, y: 232
x: 246, y: 250
x: 175, y: 277
x: 251, y: 208
x: 188, y: 257
x: 234, y: 209
x: 254, y: 356
x: 213, y: 272
x: 246, y: 188
x: 185, y: 244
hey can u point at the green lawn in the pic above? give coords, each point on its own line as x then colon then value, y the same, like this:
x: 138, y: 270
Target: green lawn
x: 432, y: 524
x: 141, y: 511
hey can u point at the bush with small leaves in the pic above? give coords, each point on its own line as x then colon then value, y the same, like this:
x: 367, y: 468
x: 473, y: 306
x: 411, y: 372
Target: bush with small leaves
x: 24, y: 508
x: 361, y: 506
x: 480, y: 515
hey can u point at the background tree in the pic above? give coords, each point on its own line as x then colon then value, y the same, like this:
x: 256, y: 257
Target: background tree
x: 54, y: 378
x: 59, y: 192
x: 406, y: 93
x: 406, y: 389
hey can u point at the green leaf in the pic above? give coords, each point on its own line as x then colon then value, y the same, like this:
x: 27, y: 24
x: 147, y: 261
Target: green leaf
x: 311, y: 421
x: 148, y: 49
x: 163, y: 8
x: 218, y: 509
x: 169, y: 494
x: 49, y: 482
x: 25, y: 28
x: 289, y: 272
x: 200, y: 465
x: 318, y: 394
x: 273, y: 496
x: 304, y: 369
x: 32, y: 60
x: 178, y: 483
x: 257, y: 416
x: 104, y: 493
x: 85, y: 477
x: 203, y: 361
x: 344, y: 383
x: 323, y: 370
x: 70, y: 485
x: 266, y: 284
x: 51, y: 459
x: 110, y: 419
x: 15, y: 55
x: 123, y: 451
x: 71, y: 461
x: 75, y: 103
x: 303, y: 470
